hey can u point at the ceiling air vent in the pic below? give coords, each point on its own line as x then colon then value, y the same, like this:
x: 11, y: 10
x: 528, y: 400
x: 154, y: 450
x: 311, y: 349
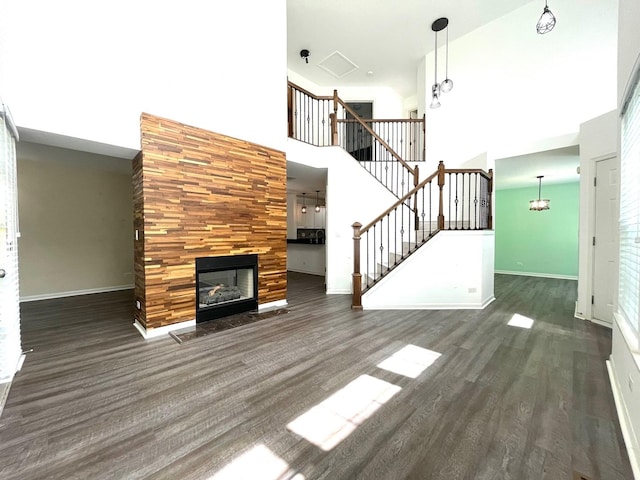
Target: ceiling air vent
x: 338, y: 65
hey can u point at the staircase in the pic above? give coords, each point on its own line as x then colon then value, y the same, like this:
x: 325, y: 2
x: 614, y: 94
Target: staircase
x: 448, y: 199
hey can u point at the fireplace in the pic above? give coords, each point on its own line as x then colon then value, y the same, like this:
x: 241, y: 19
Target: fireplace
x: 225, y: 286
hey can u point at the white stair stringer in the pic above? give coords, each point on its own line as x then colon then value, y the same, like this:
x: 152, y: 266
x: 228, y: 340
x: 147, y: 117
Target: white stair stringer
x: 452, y: 270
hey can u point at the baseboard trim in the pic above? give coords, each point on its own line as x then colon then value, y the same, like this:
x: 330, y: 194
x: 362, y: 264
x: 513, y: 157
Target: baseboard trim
x: 73, y: 293
x: 633, y: 449
x: 601, y: 322
x: 430, y: 306
x: 339, y: 291
x: 161, y: 331
x: 306, y: 272
x: 272, y: 305
x: 533, y: 274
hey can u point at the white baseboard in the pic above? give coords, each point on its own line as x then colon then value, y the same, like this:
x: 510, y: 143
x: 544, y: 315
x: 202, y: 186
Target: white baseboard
x: 541, y: 275
x: 633, y: 449
x: 431, y: 306
x: 307, y: 272
x: 601, y: 322
x: 272, y: 305
x: 339, y: 291
x: 73, y: 293
x: 161, y: 331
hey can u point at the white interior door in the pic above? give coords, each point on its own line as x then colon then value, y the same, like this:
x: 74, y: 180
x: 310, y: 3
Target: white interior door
x: 10, y: 347
x: 605, y: 251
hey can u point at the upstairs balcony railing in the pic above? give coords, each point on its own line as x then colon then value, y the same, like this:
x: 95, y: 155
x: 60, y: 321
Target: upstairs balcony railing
x: 382, y: 147
x: 456, y: 199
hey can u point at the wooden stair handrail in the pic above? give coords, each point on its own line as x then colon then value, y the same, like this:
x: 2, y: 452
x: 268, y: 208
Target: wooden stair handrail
x: 379, y: 120
x: 307, y: 92
x: 371, y: 132
x: 399, y: 202
x: 440, y: 172
x: 359, y: 230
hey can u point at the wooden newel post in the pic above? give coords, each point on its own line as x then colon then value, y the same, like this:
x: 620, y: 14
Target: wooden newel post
x: 333, y: 123
x: 334, y: 119
x: 290, y: 111
x: 490, y: 191
x: 441, y: 199
x: 356, y: 301
x: 416, y: 181
x: 424, y: 136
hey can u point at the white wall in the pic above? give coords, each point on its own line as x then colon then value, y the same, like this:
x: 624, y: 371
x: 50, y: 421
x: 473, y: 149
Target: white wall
x: 628, y: 45
x: 76, y: 222
x: 88, y: 69
x: 453, y: 270
x: 353, y: 195
x: 598, y: 140
x: 625, y: 360
x: 512, y: 86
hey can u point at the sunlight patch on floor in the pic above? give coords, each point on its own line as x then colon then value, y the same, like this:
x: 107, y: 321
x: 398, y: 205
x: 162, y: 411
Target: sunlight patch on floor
x: 333, y: 420
x: 520, y: 321
x: 409, y: 361
x: 258, y: 463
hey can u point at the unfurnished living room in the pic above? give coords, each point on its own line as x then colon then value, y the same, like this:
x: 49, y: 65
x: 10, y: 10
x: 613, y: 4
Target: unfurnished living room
x: 336, y: 240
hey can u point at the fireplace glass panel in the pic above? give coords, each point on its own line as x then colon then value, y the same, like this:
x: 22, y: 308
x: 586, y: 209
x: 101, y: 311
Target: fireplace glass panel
x: 225, y: 286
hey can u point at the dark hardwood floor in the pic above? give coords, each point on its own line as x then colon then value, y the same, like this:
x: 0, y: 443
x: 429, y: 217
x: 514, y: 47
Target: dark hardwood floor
x: 96, y: 401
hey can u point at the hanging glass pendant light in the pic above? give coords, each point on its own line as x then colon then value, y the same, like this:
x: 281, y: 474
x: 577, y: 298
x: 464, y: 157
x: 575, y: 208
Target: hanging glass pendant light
x: 547, y: 21
x: 304, y: 203
x: 539, y: 204
x: 447, y: 84
x: 317, y: 203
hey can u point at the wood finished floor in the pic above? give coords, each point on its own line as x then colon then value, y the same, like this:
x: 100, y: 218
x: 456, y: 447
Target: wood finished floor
x: 96, y: 401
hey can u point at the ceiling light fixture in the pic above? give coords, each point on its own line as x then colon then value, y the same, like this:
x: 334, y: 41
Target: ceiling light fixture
x: 539, y: 204
x: 305, y: 55
x: 447, y: 84
x: 317, y: 203
x: 304, y: 203
x: 547, y: 21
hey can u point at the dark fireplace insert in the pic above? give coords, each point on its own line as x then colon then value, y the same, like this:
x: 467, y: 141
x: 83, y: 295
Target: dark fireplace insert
x: 225, y: 286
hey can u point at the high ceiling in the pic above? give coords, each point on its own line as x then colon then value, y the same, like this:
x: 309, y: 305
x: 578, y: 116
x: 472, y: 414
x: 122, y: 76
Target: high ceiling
x: 386, y: 39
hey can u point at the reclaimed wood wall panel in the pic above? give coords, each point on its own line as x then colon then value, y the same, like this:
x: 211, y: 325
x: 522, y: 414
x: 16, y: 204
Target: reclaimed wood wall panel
x: 204, y: 194
x: 138, y: 245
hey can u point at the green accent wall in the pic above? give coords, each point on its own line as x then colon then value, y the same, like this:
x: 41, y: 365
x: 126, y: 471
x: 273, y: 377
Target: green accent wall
x: 543, y: 243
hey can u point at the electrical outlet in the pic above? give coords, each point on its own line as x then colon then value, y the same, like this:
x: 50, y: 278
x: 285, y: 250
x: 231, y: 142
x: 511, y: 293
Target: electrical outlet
x: 630, y: 384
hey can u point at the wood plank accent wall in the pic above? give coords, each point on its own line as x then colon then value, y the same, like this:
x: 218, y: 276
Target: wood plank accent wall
x: 198, y: 194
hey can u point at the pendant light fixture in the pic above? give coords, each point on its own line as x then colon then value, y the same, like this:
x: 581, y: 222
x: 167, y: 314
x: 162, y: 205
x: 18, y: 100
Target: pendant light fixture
x: 539, y: 204
x: 304, y: 203
x: 547, y: 21
x: 317, y: 203
x: 447, y: 84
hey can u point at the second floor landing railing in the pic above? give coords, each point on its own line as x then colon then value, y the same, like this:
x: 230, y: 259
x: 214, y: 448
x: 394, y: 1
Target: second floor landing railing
x: 382, y: 147
x: 455, y: 199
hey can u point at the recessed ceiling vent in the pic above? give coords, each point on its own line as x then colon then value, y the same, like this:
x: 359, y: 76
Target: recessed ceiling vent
x: 338, y: 65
